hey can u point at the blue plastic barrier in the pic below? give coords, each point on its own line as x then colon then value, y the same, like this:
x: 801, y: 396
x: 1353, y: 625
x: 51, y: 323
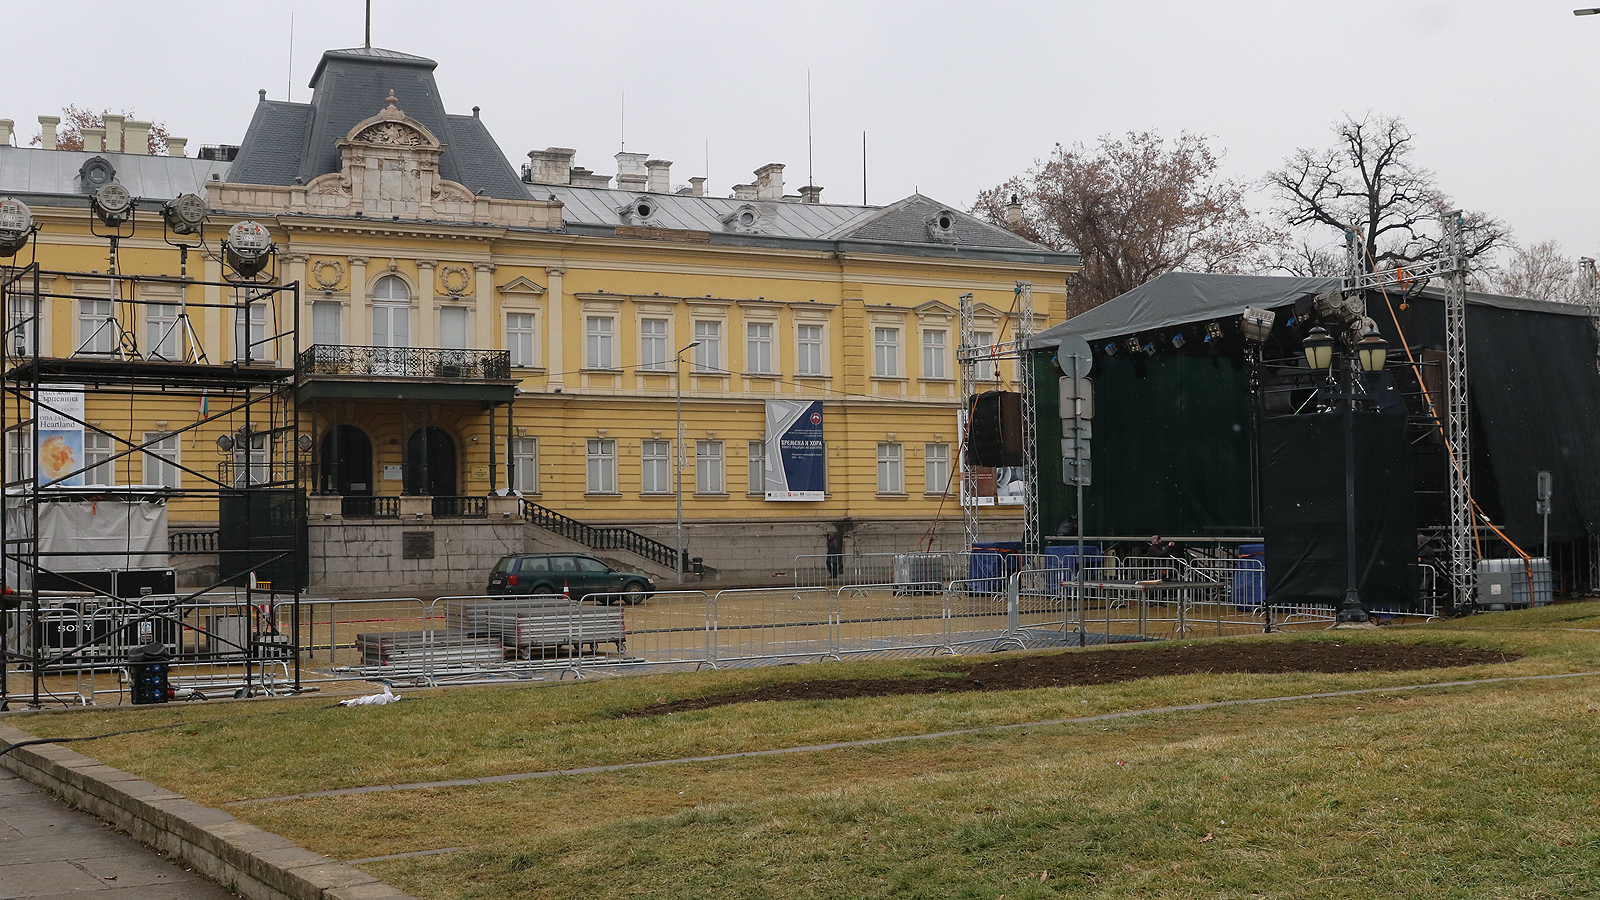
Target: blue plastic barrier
x: 1249, y: 585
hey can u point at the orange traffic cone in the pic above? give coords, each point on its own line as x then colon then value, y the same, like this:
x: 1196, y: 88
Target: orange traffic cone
x: 566, y: 591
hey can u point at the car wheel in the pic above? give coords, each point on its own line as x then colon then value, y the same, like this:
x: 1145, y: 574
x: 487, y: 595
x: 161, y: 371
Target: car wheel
x: 634, y: 593
x: 544, y: 589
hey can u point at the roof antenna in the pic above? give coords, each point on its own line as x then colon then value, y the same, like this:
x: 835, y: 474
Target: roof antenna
x: 290, y: 95
x: 369, y: 24
x: 624, y: 121
x: 863, y: 168
x: 811, y: 175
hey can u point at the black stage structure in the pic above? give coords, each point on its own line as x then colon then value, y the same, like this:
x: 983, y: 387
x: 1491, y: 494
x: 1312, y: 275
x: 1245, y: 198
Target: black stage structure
x: 1210, y: 438
x: 139, y: 388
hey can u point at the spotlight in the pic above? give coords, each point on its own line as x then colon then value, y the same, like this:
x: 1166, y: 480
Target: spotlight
x: 184, y: 213
x: 1177, y: 341
x: 1133, y: 345
x: 247, y: 248
x: 16, y: 224
x: 1257, y: 323
x: 303, y: 441
x: 112, y: 204
x: 1110, y: 348
x: 224, y: 442
x: 1149, y: 349
x: 1213, y: 332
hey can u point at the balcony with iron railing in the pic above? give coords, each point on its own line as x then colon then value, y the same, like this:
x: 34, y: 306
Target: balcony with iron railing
x: 342, y: 371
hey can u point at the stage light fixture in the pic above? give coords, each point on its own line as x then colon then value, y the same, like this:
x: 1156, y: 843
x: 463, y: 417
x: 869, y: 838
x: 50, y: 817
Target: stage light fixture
x: 184, y: 214
x: 1213, y: 332
x: 1177, y: 341
x: 1149, y: 349
x: 1133, y: 345
x: 224, y: 442
x: 1257, y: 323
x: 112, y: 204
x: 1110, y: 348
x: 303, y: 441
x: 247, y: 248
x: 16, y: 225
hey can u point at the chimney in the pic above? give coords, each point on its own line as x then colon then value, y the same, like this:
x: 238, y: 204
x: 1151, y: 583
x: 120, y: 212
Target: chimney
x: 769, y: 182
x: 176, y: 146
x: 113, y: 133
x: 811, y: 194
x: 631, y: 174
x: 697, y: 186
x: 47, y: 129
x: 744, y: 192
x: 582, y: 177
x: 6, y: 127
x: 1014, y: 212
x: 94, y: 139
x: 552, y: 165
x: 138, y: 137
x: 660, y: 175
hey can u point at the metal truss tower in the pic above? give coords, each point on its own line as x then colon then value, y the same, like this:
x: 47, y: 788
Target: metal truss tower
x: 1028, y: 384
x: 967, y: 361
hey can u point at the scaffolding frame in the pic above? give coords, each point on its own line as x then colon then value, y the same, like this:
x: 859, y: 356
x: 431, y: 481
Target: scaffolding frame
x: 968, y: 355
x: 262, y: 464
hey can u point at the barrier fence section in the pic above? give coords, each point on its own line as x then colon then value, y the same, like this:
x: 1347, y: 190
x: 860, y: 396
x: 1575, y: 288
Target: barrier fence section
x: 1005, y: 601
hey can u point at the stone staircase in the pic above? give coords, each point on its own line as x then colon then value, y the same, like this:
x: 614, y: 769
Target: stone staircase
x: 551, y: 532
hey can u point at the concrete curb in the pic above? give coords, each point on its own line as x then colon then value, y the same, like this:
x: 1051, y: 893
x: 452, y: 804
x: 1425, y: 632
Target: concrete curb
x: 256, y: 864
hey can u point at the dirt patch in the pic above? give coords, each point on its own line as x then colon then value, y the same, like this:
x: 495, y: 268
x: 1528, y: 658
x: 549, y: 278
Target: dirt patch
x: 1109, y: 666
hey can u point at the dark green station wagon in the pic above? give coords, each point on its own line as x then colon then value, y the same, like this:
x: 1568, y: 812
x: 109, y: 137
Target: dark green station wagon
x: 578, y: 575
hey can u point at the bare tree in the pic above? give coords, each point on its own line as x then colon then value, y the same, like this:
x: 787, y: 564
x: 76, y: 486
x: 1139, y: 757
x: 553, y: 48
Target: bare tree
x: 69, y: 134
x: 1540, y: 271
x: 1308, y: 260
x: 1133, y: 207
x: 1367, y: 184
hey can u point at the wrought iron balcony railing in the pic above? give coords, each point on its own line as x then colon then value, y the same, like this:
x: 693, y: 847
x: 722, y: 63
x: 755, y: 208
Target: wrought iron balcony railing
x: 405, y: 362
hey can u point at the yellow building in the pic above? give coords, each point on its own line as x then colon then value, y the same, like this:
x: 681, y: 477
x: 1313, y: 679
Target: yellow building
x: 466, y: 330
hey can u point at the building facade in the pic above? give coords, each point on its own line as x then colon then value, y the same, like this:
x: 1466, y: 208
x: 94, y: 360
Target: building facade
x: 467, y: 333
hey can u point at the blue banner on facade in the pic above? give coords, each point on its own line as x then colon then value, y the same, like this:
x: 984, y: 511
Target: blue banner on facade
x: 797, y: 456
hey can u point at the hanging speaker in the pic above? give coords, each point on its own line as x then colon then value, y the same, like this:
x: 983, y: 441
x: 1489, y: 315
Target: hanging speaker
x: 994, y: 432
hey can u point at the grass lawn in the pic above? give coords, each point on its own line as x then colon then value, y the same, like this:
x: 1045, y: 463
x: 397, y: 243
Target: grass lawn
x: 1483, y: 791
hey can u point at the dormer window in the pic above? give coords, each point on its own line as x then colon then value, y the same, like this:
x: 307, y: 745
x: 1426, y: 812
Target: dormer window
x: 639, y: 210
x: 744, y: 220
x: 942, y: 226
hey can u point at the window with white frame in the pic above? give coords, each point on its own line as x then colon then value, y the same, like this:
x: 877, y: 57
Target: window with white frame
x: 19, y: 455
x: 519, y: 338
x: 933, y: 355
x: 161, y: 459
x: 890, y: 469
x: 162, y: 338
x: 758, y: 348
x: 325, y: 322
x: 250, y: 462
x: 97, y: 449
x: 525, y: 465
x: 709, y: 474
x: 20, y: 325
x: 886, y: 352
x: 599, y: 342
x: 250, y: 332
x: 808, y: 350
x: 453, y: 327
x: 97, y: 330
x: 602, y: 466
x: 758, y: 467
x: 708, y: 354
x: 985, y: 369
x: 936, y: 467
x: 655, y: 475
x: 653, y: 350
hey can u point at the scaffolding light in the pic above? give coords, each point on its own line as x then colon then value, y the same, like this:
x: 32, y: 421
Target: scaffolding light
x: 184, y: 213
x: 16, y: 225
x: 112, y: 203
x: 224, y: 442
x: 247, y: 248
x: 1213, y: 332
x: 303, y: 441
x: 1177, y: 341
x: 1110, y: 348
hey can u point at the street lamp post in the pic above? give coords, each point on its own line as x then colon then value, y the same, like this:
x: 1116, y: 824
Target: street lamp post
x: 1366, y: 355
x: 677, y: 383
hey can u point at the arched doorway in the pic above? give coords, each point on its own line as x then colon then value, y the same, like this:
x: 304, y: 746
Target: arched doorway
x: 431, y: 463
x: 346, y: 462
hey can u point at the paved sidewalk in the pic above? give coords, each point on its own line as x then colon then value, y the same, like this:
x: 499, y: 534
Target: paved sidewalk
x: 49, y: 850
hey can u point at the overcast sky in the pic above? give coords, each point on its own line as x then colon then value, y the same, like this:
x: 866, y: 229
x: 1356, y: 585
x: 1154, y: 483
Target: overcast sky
x: 954, y: 97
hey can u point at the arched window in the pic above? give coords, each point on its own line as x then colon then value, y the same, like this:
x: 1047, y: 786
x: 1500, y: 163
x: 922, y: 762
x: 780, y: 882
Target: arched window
x: 391, y: 288
x: 391, y: 312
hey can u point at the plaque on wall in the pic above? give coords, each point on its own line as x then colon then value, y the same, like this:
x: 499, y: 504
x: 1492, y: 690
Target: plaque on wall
x: 480, y: 473
x: 416, y: 545
x: 391, y: 473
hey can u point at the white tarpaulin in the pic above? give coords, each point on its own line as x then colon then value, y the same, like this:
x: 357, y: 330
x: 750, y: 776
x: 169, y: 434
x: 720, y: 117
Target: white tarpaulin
x: 113, y: 534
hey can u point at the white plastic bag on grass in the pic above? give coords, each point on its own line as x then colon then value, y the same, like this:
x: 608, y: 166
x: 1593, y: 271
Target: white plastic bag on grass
x: 387, y: 696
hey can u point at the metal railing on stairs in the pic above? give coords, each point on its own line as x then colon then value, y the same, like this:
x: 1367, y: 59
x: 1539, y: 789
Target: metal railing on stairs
x: 600, y: 537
